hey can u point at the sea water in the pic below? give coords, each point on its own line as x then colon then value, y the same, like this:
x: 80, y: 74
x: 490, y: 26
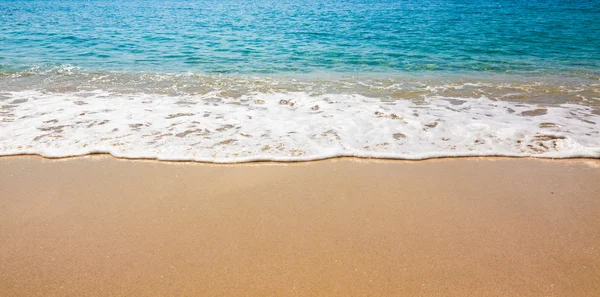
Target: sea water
x: 234, y: 81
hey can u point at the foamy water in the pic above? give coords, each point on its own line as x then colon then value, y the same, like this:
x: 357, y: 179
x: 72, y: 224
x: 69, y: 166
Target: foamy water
x: 289, y: 126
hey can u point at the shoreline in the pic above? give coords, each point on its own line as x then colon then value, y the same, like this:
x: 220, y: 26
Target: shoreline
x: 284, y: 126
x: 303, y: 161
x: 103, y: 226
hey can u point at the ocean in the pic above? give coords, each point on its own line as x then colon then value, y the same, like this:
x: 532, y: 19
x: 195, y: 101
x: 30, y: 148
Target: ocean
x: 237, y: 81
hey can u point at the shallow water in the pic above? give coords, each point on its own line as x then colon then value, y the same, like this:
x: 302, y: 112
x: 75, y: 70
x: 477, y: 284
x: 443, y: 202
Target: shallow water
x: 229, y: 81
x: 233, y: 36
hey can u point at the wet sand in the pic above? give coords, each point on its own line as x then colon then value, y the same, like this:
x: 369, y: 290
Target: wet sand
x: 99, y: 226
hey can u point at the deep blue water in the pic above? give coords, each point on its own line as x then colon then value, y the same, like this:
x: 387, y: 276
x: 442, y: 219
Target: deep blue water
x: 265, y: 36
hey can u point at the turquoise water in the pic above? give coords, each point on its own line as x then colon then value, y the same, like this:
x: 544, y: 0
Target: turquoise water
x: 236, y: 81
x: 268, y: 37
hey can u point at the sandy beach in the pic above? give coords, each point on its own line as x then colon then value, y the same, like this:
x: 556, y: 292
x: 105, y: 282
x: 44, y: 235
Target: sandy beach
x: 100, y: 226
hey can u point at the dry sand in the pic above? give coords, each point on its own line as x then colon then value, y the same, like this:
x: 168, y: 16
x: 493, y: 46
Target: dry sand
x: 99, y: 226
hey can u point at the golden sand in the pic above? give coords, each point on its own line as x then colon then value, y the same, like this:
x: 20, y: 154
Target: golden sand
x: 99, y: 226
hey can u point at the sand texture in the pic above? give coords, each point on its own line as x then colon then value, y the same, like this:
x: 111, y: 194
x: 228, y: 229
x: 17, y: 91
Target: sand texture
x: 99, y: 226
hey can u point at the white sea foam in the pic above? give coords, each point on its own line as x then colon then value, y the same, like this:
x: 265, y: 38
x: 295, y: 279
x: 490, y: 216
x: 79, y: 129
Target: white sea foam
x: 289, y: 126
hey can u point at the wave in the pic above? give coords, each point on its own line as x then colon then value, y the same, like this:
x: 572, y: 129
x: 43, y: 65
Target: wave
x: 542, y: 89
x: 226, y: 126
